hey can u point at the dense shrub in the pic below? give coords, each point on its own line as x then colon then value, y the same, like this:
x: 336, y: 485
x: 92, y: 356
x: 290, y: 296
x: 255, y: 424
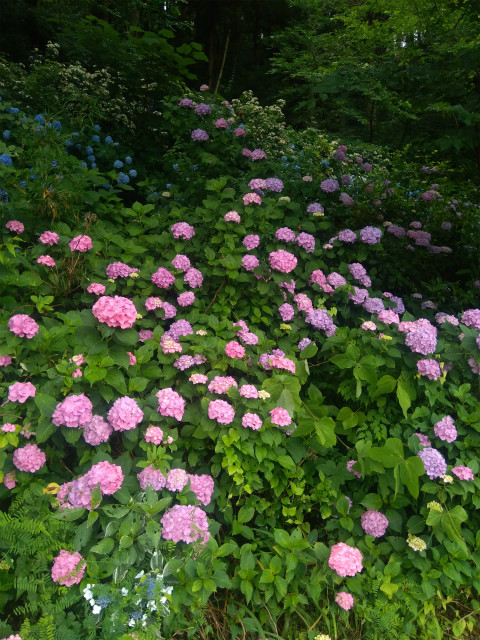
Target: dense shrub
x: 237, y: 404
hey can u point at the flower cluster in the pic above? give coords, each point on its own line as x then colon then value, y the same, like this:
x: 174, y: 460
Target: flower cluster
x: 282, y: 261
x: 221, y: 384
x: 221, y: 411
x: 152, y: 477
x: 280, y: 417
x: 23, y: 326
x: 97, y: 430
x: 445, y: 429
x: 429, y: 368
x: 433, y: 461
x: 182, y: 230
x: 163, y: 278
x: 374, y: 523
x: 115, y: 311
x: 125, y: 414
x: 185, y: 523
x: 21, y: 391
x: 74, y: 412
x: 345, y: 560
x: 319, y: 319
x: 170, y: 403
x: 344, y: 600
x: 68, y: 568
x: 29, y: 458
x: 118, y: 270
x: 81, y: 244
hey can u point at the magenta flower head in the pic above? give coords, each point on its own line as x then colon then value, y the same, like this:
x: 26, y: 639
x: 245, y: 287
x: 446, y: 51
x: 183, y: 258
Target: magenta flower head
x: 250, y: 262
x: 429, y: 368
x: 81, y: 244
x: 23, y: 326
x: 344, y: 600
x: 199, y: 135
x: 221, y: 411
x: 48, y: 261
x: 68, y: 568
x: 170, y: 403
x: 125, y: 414
x: 185, y: 523
x: 21, y: 391
x: 106, y: 475
x: 29, y: 458
x: 97, y: 430
x: 75, y: 411
x: 329, y: 185
x: 345, y: 560
x: 445, y: 429
x: 251, y: 198
x: 374, y: 523
x: 182, y: 230
x: 463, y: 473
x: 49, y: 237
x: 232, y: 216
x: 370, y: 235
x: 163, y: 278
x: 282, y: 261
x: 280, y: 417
x: 115, y: 311
x: 119, y: 270
x: 202, y: 486
x: 152, y: 477
x: 234, y: 350
x: 252, y: 421
x: 96, y: 288
x: 15, y: 225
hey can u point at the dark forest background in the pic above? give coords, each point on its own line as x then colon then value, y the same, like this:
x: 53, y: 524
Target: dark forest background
x: 403, y: 74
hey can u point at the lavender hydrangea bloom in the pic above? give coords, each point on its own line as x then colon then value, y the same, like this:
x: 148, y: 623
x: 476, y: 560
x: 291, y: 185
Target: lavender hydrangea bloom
x: 370, y: 235
x: 373, y: 305
x: 319, y: 319
x: 274, y: 184
x: 315, y: 207
x: 433, y: 461
x: 329, y: 185
x: 347, y: 235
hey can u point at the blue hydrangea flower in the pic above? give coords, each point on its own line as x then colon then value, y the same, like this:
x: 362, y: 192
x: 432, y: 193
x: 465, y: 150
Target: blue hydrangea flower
x: 128, y: 160
x: 39, y: 118
x: 118, y: 164
x: 132, y: 173
x: 22, y: 184
x: 83, y: 164
x: 123, y: 178
x: 88, y: 150
x: 95, y: 138
x: 3, y: 196
x: 94, y: 166
x: 91, y: 158
x: 97, y: 127
x: 54, y: 163
x: 6, y: 160
x: 109, y: 140
x: 12, y: 110
x: 175, y: 166
x: 325, y: 163
x: 6, y: 134
x: 57, y: 125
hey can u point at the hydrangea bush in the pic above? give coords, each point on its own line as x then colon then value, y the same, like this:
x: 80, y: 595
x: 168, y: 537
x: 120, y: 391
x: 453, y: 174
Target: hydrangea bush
x: 206, y: 408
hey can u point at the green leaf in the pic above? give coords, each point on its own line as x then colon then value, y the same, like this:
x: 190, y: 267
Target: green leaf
x: 386, y: 384
x: 372, y: 501
x: 245, y: 514
x: 104, y: 547
x: 389, y: 455
x: 405, y: 394
x: 127, y: 336
x: 137, y: 384
x: 410, y: 471
x: 94, y: 374
x: 325, y: 430
x: 45, y: 403
x: 309, y: 351
x: 226, y: 549
x: 282, y: 538
x: 343, y: 361
x: 286, y: 462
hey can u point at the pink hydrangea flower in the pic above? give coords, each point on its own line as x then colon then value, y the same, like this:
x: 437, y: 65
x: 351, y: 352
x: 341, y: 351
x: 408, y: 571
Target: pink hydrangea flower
x: 280, y: 416
x: 96, y: 288
x: 374, y: 523
x: 345, y: 560
x: 221, y: 411
x: 251, y: 198
x: 77, y: 373
x: 119, y: 270
x: 193, y: 278
x: 285, y: 234
x: 234, y: 349
x: 185, y: 523
x: 177, y: 479
x: 286, y: 312
x: 125, y: 414
x: 221, y: 123
x: 68, y: 568
x: 232, y: 216
x: 170, y: 403
x: 471, y: 318
x: 424, y: 441
x: 251, y: 242
x: 445, y: 429
x: 5, y: 361
x: 15, y: 225
x: 10, y: 482
x: 23, y: 326
x: 106, y: 475
x: 145, y: 334
x: 306, y: 241
x: 303, y: 302
x: 29, y: 458
x: 250, y: 262
x: 48, y: 261
x: 153, y: 303
x: 115, y: 311
x: 257, y: 183
x: 368, y: 325
x: 81, y: 244
x: 198, y: 378
x: 239, y: 131
x: 186, y: 299
x: 163, y: 278
x: 344, y: 600
x: 280, y: 362
x: 429, y: 368
x: 21, y: 391
x: 154, y: 435
x: 248, y: 391
x: 97, y: 430
x: 49, y: 237
x: 282, y: 261
x: 181, y: 262
x: 221, y: 384
x: 75, y: 411
x: 202, y: 486
x: 252, y: 421
x: 464, y: 473
x: 152, y: 477
x: 169, y: 345
x: 133, y: 359
x: 182, y: 230
x: 8, y: 427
